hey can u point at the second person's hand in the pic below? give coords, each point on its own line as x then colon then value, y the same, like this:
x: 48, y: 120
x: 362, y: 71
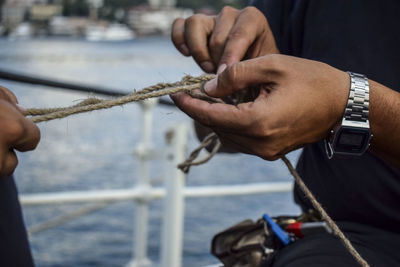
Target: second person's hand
x: 16, y: 132
x: 222, y: 40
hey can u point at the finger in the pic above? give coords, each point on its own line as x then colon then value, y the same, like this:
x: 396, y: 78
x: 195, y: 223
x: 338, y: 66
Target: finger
x: 250, y: 24
x: 264, y: 46
x: 266, y: 148
x: 5, y: 96
x: 17, y: 131
x: 242, y: 75
x: 217, y: 115
x: 223, y: 25
x: 9, y: 163
x: 197, y: 30
x: 231, y: 143
x: 10, y: 95
x: 178, y: 36
x: 30, y: 138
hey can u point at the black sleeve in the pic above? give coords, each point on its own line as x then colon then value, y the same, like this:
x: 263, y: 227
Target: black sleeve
x: 278, y: 14
x: 14, y: 246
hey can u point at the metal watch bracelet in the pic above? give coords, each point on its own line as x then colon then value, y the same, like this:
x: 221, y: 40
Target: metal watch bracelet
x: 357, y: 108
x: 352, y: 134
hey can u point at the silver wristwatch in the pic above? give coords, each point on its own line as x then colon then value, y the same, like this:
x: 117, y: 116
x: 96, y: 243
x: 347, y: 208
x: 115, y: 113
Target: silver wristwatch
x: 352, y: 136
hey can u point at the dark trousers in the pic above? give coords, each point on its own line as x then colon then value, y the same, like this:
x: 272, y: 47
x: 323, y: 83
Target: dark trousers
x: 14, y: 246
x: 377, y: 247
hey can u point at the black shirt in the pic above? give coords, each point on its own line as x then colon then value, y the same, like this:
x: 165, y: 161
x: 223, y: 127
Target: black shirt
x: 362, y: 36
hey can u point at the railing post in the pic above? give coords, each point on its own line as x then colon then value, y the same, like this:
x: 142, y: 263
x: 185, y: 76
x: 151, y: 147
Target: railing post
x: 144, y: 152
x: 172, y: 234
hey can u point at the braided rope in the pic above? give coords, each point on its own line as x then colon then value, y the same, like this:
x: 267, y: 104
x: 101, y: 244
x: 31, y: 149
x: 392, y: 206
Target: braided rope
x: 187, y: 84
x: 190, y: 161
x: 335, y: 229
x: 208, y: 140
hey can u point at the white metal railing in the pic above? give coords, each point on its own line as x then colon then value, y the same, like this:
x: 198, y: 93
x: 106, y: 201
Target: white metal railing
x: 174, y: 192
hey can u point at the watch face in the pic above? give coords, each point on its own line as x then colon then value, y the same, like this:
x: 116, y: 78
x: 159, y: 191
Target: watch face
x: 352, y: 140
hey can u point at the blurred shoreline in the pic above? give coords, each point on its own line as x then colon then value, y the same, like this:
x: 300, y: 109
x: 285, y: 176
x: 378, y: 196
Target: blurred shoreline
x: 94, y: 20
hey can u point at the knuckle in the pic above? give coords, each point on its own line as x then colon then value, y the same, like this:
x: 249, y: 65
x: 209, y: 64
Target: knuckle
x: 251, y: 9
x: 177, y: 21
x: 253, y: 12
x: 274, y: 62
x: 3, y: 90
x: 3, y: 94
x: 238, y: 34
x: 8, y: 95
x: 228, y: 10
x: 194, y: 19
x: 14, y: 130
x: 217, y: 41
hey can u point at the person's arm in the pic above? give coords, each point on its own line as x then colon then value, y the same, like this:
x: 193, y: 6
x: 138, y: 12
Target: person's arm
x: 299, y: 103
x: 385, y: 122
x: 16, y: 132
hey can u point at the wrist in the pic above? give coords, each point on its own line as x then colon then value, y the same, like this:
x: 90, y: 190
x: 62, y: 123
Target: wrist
x: 352, y: 135
x: 341, y: 89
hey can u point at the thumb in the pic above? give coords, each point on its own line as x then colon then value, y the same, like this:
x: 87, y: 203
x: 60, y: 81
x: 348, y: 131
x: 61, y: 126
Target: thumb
x: 237, y: 77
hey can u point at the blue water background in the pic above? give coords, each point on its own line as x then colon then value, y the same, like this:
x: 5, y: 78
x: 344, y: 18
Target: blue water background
x: 95, y: 151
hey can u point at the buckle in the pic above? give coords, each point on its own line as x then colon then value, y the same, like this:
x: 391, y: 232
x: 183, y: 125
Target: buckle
x: 328, y: 149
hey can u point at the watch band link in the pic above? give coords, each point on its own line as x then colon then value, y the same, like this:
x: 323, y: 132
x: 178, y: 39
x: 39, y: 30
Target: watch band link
x: 357, y: 108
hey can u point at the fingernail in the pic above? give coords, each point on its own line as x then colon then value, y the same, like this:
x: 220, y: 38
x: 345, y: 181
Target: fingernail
x: 185, y: 50
x: 211, y: 86
x: 207, y: 66
x: 221, y: 68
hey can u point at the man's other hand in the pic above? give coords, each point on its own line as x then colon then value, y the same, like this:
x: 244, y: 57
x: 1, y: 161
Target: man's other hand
x: 219, y: 41
x: 16, y: 132
x: 299, y: 102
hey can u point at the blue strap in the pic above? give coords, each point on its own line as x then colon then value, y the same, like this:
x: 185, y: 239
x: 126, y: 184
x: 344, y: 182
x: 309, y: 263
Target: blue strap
x: 284, y: 237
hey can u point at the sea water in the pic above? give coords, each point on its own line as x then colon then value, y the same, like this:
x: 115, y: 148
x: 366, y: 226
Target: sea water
x: 94, y: 151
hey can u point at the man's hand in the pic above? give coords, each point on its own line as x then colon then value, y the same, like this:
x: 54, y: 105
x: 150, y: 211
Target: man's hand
x: 219, y: 41
x: 299, y: 102
x: 16, y: 132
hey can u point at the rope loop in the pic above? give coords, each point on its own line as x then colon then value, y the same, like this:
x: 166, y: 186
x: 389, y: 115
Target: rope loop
x: 188, y: 84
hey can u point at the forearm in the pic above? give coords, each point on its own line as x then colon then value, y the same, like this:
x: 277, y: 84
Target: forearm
x: 385, y: 122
